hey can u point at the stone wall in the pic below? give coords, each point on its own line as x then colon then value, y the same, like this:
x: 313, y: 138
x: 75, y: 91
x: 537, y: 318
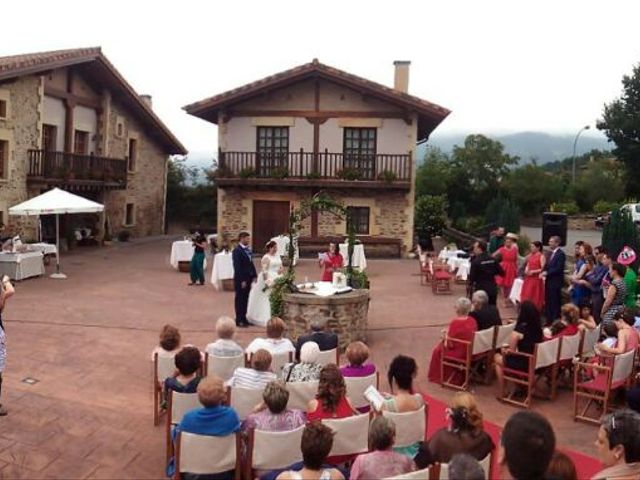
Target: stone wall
x: 22, y: 131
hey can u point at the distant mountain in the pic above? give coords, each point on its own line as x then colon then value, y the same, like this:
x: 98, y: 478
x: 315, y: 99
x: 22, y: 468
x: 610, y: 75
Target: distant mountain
x: 200, y: 160
x: 543, y: 147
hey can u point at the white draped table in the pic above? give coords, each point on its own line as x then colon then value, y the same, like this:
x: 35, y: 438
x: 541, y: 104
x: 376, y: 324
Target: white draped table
x: 222, y: 269
x: 19, y: 266
x: 282, y: 241
x: 182, y: 251
x: 358, y: 260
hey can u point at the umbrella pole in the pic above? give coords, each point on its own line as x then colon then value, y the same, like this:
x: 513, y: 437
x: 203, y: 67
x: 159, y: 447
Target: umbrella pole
x: 58, y: 274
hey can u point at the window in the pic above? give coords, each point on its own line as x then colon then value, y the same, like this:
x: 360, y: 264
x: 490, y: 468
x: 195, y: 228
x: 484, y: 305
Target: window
x: 133, y: 154
x: 81, y: 142
x: 4, y: 158
x: 359, y: 150
x: 49, y: 134
x: 119, y: 128
x: 359, y: 217
x: 129, y: 215
x: 273, y: 149
x: 3, y: 109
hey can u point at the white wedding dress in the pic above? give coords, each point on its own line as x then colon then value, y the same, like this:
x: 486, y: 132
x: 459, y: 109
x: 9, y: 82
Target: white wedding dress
x: 259, y: 308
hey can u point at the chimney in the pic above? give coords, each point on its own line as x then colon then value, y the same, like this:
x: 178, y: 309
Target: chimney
x: 401, y: 76
x: 147, y: 99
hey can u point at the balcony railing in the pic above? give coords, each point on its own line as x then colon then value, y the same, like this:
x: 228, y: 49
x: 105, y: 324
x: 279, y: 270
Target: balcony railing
x: 67, y: 167
x: 324, y: 166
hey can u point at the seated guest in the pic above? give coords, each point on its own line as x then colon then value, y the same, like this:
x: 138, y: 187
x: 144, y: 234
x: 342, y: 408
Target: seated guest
x: 618, y: 445
x: 462, y: 327
x: 274, y: 342
x: 465, y: 467
x: 382, y: 462
x: 308, y: 370
x: 255, y: 377
x: 357, y: 354
x: 527, y: 332
x: 169, y: 343
x: 566, y: 325
x: 214, y: 419
x: 586, y: 320
x: 225, y: 346
x: 402, y: 372
x: 331, y: 400
x: 316, y: 443
x: 485, y: 315
x: 627, y: 335
x: 561, y: 467
x: 527, y: 445
x: 273, y: 415
x: 186, y: 378
x: 325, y: 340
x: 465, y: 434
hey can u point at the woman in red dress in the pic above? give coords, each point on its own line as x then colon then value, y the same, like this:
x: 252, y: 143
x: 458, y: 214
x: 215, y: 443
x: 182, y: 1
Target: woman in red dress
x: 330, y: 262
x: 462, y: 328
x: 533, y: 286
x: 508, y: 255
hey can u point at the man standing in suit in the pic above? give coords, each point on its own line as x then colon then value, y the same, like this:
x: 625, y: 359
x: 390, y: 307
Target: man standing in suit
x: 553, y: 275
x: 244, y: 273
x: 482, y: 275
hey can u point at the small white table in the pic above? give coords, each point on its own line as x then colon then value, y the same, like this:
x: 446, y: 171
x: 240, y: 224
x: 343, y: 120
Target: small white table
x: 462, y: 267
x: 282, y: 241
x: 358, y: 260
x: 222, y: 269
x: 516, y: 290
x: 45, y: 248
x: 19, y: 266
x: 182, y: 251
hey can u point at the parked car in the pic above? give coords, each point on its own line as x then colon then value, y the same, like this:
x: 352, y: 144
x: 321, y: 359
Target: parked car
x: 602, y: 220
x: 634, y: 210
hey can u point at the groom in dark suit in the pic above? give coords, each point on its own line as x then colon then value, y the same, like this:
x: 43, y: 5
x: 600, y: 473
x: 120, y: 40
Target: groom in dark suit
x: 244, y: 273
x: 554, y: 279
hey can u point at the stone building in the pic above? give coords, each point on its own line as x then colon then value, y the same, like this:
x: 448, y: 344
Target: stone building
x: 68, y: 119
x: 316, y: 128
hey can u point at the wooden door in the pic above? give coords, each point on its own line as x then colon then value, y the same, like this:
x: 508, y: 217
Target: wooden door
x: 269, y: 220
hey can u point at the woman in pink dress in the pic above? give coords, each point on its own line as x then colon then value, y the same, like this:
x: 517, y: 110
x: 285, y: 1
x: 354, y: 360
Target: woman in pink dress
x: 533, y: 286
x: 508, y: 255
x: 330, y: 262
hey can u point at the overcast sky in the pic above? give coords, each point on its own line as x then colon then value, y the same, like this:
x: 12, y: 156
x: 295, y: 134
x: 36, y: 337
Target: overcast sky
x: 500, y: 66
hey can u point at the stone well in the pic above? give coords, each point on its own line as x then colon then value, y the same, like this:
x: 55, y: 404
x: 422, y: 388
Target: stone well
x: 347, y: 314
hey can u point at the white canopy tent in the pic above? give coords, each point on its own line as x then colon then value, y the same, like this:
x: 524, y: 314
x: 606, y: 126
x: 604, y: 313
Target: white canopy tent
x: 56, y: 202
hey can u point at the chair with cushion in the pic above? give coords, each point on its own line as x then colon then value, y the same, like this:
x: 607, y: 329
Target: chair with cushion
x: 222, y: 367
x: 569, y: 350
x: 411, y: 427
x: 163, y: 367
x: 503, y: 333
x: 356, y: 387
x: 351, y: 435
x: 426, y: 270
x: 441, y: 282
x: 542, y: 363
x: 329, y: 356
x: 479, y: 352
x: 272, y: 450
x: 195, y: 454
x: 244, y: 400
x: 611, y: 374
x: 178, y: 405
x: 300, y: 393
x: 589, y: 341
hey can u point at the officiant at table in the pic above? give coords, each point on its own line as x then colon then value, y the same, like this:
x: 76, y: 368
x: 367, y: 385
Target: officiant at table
x: 330, y: 261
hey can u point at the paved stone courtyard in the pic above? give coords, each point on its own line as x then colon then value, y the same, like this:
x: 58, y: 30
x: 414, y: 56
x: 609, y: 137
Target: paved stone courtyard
x: 87, y: 342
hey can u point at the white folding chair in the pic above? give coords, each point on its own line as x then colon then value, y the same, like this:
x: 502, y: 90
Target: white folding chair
x: 423, y: 474
x: 328, y: 356
x: 272, y: 450
x: 570, y: 346
x: 351, y: 434
x: 222, y: 367
x: 589, y: 340
x: 178, y: 405
x: 301, y: 393
x: 478, y: 350
x: 205, y: 454
x: 279, y: 360
x: 244, y: 400
x: 410, y: 426
x: 356, y: 387
x: 443, y: 469
x: 503, y: 334
x: 163, y: 367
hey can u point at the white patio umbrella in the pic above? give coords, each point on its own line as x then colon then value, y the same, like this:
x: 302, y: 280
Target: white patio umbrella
x: 56, y: 202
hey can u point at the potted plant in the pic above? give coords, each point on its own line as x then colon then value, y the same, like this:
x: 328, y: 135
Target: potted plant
x: 247, y: 173
x: 387, y: 176
x: 279, y: 172
x: 350, y: 174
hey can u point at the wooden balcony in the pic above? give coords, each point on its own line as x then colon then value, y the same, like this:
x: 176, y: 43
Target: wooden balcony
x: 306, y: 169
x: 82, y: 172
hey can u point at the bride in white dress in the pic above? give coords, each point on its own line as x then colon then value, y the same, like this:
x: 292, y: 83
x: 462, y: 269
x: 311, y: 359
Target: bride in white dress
x: 259, y: 308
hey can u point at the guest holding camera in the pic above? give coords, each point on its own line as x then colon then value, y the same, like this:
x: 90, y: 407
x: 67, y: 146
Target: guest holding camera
x: 197, y: 261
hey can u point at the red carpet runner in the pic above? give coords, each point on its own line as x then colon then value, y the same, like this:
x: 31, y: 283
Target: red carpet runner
x: 586, y: 466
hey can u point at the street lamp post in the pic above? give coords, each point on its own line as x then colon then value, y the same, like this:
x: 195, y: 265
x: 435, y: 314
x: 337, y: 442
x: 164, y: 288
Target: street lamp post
x: 575, y: 143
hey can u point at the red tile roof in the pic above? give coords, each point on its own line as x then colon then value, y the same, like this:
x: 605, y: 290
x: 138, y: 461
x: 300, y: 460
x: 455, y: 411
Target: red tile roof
x: 34, y: 63
x: 429, y: 113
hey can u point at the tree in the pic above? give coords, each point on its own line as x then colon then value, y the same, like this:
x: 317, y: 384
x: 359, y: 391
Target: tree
x: 621, y: 124
x: 620, y: 231
x: 533, y: 189
x: 188, y: 201
x: 599, y: 180
x: 478, y: 170
x: 502, y: 212
x: 434, y: 175
x: 430, y: 216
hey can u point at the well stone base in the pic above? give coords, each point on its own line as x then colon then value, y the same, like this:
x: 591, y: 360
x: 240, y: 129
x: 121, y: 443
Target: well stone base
x: 346, y: 314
